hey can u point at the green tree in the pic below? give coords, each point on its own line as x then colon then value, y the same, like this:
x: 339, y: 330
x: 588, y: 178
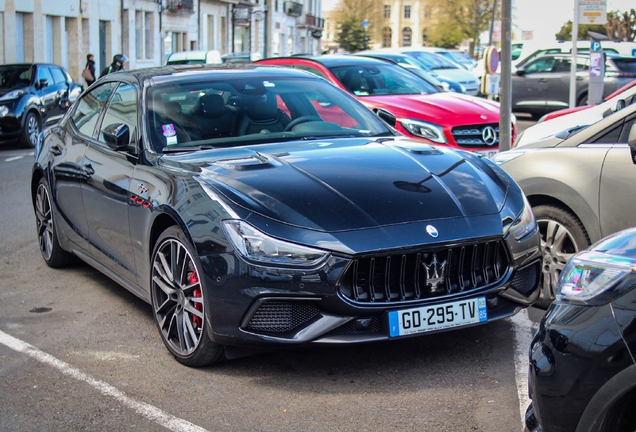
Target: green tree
x: 461, y: 18
x: 619, y: 26
x: 566, y: 31
x: 350, y: 14
x: 444, y: 36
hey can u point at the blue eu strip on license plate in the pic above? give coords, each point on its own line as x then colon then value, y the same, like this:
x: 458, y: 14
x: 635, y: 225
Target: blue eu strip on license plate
x: 437, y: 317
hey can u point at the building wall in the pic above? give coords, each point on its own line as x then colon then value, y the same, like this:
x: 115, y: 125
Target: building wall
x: 146, y: 31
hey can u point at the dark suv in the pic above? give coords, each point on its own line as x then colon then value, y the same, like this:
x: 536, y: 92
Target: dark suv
x: 32, y: 96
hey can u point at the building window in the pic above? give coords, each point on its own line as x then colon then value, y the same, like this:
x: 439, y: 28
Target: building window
x: 387, y: 33
x: 407, y: 12
x: 387, y: 11
x: 143, y: 34
x: 407, y: 34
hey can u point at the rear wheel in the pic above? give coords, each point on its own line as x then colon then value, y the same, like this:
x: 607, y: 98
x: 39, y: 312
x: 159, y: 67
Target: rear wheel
x: 52, y: 252
x: 582, y: 100
x: 178, y: 301
x: 562, y: 235
x: 29, y: 137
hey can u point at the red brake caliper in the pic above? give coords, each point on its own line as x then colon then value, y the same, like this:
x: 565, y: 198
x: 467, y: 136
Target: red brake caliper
x: 194, y: 278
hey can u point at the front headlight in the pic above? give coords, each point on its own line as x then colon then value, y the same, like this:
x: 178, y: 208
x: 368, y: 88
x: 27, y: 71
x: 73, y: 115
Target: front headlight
x: 15, y: 94
x: 259, y: 248
x: 524, y: 223
x: 424, y: 129
x: 4, y: 110
x: 595, y: 278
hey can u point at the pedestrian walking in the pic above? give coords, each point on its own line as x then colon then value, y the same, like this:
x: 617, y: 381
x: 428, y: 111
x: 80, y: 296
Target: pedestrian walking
x: 89, y: 70
x: 116, y: 66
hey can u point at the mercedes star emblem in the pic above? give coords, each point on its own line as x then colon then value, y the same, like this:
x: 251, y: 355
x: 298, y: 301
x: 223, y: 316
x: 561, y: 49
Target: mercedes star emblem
x: 489, y: 135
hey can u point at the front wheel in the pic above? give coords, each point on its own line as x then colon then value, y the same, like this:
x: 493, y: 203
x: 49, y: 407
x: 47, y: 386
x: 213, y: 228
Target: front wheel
x: 29, y: 137
x: 562, y: 235
x: 178, y: 301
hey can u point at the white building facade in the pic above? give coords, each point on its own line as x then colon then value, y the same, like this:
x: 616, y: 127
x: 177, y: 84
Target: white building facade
x: 148, y: 31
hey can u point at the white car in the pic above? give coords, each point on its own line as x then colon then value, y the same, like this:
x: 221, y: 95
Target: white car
x: 576, y: 121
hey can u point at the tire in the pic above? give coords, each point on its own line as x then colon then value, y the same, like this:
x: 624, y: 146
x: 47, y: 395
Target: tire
x: 562, y: 235
x: 29, y: 137
x: 52, y: 252
x: 178, y: 302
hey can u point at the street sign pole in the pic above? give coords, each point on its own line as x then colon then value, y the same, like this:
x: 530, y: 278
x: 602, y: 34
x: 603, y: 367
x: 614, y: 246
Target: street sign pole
x: 575, y: 39
x: 505, y: 96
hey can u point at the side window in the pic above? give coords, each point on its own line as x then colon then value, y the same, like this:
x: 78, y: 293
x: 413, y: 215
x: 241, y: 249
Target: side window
x: 121, y: 109
x: 610, y: 137
x: 58, y: 76
x: 541, y: 65
x: 624, y: 138
x: 90, y: 106
x: 45, y: 73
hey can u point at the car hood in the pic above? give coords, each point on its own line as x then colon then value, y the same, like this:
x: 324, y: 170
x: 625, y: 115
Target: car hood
x: 448, y: 109
x: 350, y: 184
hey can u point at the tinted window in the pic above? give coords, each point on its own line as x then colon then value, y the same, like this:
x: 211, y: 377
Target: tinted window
x: 58, y: 75
x: 541, y: 65
x: 122, y: 109
x: 89, y: 107
x: 610, y: 137
x: 45, y: 73
x: 625, y: 64
x: 311, y: 70
x: 381, y: 79
x: 15, y: 77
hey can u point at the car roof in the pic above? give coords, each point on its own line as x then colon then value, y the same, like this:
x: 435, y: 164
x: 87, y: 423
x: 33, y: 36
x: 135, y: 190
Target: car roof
x: 185, y: 73
x: 331, y: 60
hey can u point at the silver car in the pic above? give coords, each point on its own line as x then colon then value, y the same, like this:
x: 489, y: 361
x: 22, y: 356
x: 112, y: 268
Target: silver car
x: 543, y: 85
x: 580, y: 184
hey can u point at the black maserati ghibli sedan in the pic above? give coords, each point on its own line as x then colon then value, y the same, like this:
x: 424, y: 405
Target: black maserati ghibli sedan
x: 257, y: 206
x: 582, y: 368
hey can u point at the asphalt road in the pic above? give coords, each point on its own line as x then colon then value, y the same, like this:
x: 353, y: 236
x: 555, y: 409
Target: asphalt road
x: 78, y: 352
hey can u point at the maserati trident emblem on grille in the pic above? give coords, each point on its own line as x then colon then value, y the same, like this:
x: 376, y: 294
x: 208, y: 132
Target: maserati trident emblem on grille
x: 435, y: 274
x: 489, y: 135
x: 432, y: 231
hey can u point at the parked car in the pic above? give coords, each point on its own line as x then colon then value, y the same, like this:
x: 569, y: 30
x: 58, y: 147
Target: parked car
x: 543, y: 85
x: 408, y: 103
x: 456, y: 56
x: 240, y: 57
x: 33, y: 95
x: 310, y: 223
x: 614, y: 96
x: 577, y: 119
x: 413, y: 65
x: 444, y: 68
x: 579, y: 185
x: 195, y: 57
x: 582, y: 374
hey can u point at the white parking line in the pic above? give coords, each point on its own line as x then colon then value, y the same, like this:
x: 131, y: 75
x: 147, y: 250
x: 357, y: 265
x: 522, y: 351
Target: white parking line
x: 523, y: 332
x: 148, y: 411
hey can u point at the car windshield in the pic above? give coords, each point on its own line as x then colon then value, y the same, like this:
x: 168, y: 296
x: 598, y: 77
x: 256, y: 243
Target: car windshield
x: 431, y: 60
x: 15, y: 77
x: 380, y: 80
x: 626, y: 64
x: 247, y: 111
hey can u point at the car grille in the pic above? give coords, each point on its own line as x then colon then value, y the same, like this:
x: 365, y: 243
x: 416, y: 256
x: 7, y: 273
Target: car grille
x: 426, y: 274
x: 281, y: 317
x: 476, y: 135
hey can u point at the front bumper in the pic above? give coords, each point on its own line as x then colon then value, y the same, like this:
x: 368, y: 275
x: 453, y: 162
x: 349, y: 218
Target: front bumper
x: 258, y: 306
x: 576, y: 350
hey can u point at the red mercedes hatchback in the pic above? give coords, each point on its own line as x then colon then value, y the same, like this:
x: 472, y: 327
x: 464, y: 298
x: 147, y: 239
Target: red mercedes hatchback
x: 408, y: 103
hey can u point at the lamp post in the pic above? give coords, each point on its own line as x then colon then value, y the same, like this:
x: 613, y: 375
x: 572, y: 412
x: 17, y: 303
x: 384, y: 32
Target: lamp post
x: 476, y: 46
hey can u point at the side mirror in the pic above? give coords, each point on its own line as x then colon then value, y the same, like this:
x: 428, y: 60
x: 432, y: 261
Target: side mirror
x: 43, y: 83
x: 631, y: 140
x: 620, y: 104
x: 117, y: 136
x: 521, y: 72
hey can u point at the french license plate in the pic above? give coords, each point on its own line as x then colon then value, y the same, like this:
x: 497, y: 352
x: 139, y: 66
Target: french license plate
x: 437, y: 317
x: 488, y: 154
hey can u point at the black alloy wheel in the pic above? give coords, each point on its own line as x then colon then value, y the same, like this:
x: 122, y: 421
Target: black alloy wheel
x: 52, y: 252
x: 178, y: 302
x: 562, y: 235
x: 29, y: 138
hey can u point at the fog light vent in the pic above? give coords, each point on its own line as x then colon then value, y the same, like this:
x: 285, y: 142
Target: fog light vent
x: 280, y: 317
